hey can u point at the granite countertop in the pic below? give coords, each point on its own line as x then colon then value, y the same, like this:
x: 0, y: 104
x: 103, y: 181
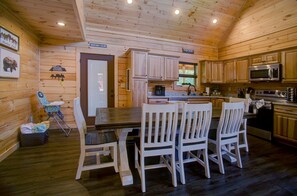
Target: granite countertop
x: 285, y: 103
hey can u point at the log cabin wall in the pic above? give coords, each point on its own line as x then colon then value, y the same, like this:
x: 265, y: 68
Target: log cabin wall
x: 17, y: 96
x: 264, y: 26
x: 53, y: 52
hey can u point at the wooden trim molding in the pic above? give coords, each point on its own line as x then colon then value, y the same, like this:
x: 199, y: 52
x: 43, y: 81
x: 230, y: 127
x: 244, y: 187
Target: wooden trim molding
x: 9, y: 151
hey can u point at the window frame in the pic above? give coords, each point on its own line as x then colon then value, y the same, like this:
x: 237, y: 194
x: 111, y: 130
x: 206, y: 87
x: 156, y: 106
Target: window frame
x: 195, y: 76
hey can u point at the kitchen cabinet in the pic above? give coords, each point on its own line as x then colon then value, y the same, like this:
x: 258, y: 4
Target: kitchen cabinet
x: 217, y: 102
x: 171, y: 68
x: 285, y: 124
x: 155, y: 67
x: 163, y: 67
x: 289, y: 62
x: 137, y: 61
x: 211, y: 71
x: 229, y: 72
x: 138, y: 94
x: 158, y: 100
x: 217, y: 68
x: 241, y: 70
x: 265, y: 58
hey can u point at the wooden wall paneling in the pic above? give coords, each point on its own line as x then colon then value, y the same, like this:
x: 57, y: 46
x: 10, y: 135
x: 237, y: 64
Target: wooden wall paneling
x: 15, y: 94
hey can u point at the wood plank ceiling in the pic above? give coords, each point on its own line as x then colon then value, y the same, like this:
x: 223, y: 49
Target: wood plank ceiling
x: 149, y: 18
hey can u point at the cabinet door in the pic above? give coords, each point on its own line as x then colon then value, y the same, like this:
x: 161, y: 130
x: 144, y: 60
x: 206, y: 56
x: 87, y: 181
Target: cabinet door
x: 242, y: 70
x: 257, y: 60
x: 139, y: 64
x: 229, y: 72
x: 272, y: 58
x: 285, y: 124
x: 171, y: 68
x: 155, y: 67
x: 139, y: 92
x: 205, y: 71
x: 217, y: 72
x: 289, y: 62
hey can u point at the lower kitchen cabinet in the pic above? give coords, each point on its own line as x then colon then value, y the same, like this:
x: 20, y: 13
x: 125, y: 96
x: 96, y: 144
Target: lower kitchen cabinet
x: 138, y: 93
x: 158, y: 101
x: 285, y: 124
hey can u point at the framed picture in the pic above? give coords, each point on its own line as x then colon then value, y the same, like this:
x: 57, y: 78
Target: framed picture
x: 9, y: 64
x: 9, y: 39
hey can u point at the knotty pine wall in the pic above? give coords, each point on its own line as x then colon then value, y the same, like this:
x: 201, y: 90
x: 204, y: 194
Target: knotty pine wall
x: 264, y: 26
x: 53, y: 52
x: 17, y: 96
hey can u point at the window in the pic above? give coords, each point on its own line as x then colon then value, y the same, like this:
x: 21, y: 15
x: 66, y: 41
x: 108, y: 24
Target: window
x: 187, y: 73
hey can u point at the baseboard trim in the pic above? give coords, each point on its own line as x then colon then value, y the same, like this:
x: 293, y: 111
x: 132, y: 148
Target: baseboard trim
x: 9, y: 151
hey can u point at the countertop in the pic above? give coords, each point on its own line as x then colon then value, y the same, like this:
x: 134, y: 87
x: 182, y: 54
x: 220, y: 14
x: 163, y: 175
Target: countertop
x: 185, y: 97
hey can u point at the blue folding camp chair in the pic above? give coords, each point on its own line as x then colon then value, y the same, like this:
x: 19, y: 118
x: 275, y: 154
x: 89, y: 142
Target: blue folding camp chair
x: 53, y: 110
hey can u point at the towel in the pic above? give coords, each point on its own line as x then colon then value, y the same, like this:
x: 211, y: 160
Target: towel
x: 260, y: 103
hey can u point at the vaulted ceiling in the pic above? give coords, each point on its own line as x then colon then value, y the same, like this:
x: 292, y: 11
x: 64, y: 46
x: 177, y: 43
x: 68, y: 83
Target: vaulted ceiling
x: 149, y: 18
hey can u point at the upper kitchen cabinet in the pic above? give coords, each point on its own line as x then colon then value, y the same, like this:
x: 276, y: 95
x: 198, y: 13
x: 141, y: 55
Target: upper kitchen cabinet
x: 241, y: 66
x: 265, y: 58
x: 229, y: 71
x: 155, y: 67
x: 212, y: 71
x: 171, y: 68
x: 289, y: 62
x: 205, y: 71
x: 217, y: 68
x: 137, y: 61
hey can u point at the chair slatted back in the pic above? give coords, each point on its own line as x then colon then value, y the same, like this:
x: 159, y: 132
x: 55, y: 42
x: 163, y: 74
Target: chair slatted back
x: 79, y: 119
x: 230, y: 120
x: 195, y: 123
x: 158, y: 125
x: 246, y: 102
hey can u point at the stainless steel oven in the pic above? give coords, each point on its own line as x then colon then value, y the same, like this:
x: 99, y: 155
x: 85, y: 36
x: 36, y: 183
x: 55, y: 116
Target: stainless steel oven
x: 265, y: 72
x: 262, y: 125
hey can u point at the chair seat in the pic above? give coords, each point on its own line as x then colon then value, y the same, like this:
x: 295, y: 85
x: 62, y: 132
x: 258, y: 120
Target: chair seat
x: 137, y: 143
x: 94, y: 137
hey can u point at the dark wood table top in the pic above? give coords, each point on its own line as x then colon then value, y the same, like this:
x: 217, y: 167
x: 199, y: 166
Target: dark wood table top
x: 118, y: 118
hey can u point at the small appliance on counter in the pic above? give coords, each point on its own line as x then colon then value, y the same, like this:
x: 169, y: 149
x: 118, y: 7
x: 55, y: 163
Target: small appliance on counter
x: 292, y: 94
x: 159, y: 90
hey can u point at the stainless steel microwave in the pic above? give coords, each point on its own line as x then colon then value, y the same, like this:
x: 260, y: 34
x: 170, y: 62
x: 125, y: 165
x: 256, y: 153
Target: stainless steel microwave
x: 270, y: 72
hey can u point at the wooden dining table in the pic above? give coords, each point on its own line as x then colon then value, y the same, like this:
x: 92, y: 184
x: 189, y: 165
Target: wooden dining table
x: 123, y: 121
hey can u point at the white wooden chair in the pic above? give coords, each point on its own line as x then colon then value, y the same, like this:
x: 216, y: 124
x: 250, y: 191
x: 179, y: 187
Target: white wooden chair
x: 157, y: 138
x: 94, y: 143
x: 243, y: 127
x: 193, y: 136
x: 227, y: 133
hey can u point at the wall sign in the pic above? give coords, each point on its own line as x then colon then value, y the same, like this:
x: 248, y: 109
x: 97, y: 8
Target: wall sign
x: 97, y: 45
x: 9, y: 39
x: 188, y: 51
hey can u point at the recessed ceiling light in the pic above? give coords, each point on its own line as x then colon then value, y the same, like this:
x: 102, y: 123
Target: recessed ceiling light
x: 214, y: 21
x: 129, y: 1
x: 176, y: 11
x: 62, y: 24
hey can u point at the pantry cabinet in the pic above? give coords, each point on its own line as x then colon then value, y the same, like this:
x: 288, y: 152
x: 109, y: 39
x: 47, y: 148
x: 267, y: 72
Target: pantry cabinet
x: 138, y: 94
x: 285, y: 124
x: 137, y: 61
x: 265, y: 58
x: 289, y: 63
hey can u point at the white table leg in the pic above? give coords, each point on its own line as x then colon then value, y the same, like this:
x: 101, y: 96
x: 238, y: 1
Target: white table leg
x: 124, y: 169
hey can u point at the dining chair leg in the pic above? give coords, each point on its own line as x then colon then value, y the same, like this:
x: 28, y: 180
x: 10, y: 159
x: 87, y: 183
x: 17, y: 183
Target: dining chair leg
x: 80, y: 165
x: 181, y: 167
x: 142, y: 166
x: 220, y: 159
x: 136, y: 156
x: 238, y: 158
x: 245, y: 141
x: 115, y: 157
x: 206, y: 163
x: 174, y: 181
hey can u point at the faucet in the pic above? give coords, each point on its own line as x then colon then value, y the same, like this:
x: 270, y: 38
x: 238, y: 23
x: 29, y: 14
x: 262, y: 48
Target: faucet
x: 189, y: 88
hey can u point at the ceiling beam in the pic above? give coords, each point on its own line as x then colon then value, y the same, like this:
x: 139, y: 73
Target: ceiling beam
x: 78, y: 7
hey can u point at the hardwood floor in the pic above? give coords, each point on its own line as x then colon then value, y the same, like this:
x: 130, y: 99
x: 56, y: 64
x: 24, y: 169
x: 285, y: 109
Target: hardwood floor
x: 268, y: 169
